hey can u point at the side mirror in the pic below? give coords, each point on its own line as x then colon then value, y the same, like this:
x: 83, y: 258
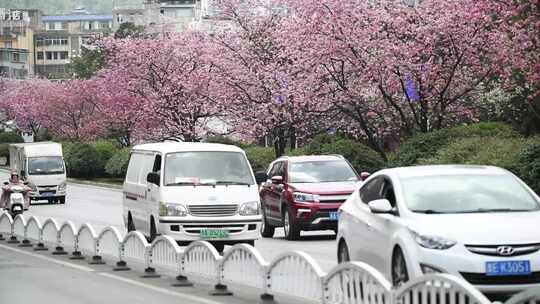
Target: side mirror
x: 23, y: 173
x: 277, y: 180
x: 25, y: 183
x: 153, y: 178
x: 6, y: 183
x: 380, y: 206
x: 364, y: 175
x: 260, y: 177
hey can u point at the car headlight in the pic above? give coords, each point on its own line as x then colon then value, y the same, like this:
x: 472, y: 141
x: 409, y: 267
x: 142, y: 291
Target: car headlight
x: 305, y: 197
x: 433, y: 242
x: 249, y: 208
x: 172, y: 210
x: 62, y: 186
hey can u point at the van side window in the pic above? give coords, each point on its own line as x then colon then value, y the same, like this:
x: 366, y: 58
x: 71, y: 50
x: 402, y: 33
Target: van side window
x: 134, y: 167
x: 157, y: 164
x: 147, y: 164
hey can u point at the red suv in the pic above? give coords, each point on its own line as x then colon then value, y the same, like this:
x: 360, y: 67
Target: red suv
x: 304, y: 193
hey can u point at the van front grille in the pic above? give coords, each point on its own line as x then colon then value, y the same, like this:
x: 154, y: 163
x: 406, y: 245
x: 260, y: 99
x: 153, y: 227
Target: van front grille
x: 213, y: 210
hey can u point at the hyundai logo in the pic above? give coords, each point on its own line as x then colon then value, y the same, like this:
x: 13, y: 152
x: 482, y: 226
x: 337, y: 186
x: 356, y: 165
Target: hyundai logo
x: 505, y: 250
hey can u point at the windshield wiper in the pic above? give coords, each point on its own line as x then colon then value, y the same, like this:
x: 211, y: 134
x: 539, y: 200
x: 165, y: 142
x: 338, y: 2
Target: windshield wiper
x: 428, y: 211
x: 181, y: 184
x: 486, y: 210
x: 232, y: 183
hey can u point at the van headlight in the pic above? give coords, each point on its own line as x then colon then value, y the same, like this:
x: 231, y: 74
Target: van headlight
x: 32, y: 187
x: 305, y: 197
x: 249, y: 208
x: 62, y: 186
x: 172, y: 209
x: 433, y: 242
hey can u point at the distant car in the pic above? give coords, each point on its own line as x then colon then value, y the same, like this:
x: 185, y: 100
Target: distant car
x: 478, y: 223
x: 304, y: 193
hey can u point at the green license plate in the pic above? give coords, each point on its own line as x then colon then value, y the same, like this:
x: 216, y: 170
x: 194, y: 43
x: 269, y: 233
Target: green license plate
x: 214, y: 234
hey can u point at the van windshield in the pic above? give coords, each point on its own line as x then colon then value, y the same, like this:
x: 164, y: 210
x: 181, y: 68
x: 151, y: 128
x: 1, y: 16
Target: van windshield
x: 45, y: 165
x: 199, y: 168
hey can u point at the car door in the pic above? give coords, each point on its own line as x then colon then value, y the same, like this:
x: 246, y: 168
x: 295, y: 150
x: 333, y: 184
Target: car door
x: 153, y: 190
x: 382, y: 229
x: 146, y: 167
x: 362, y: 221
x: 273, y: 193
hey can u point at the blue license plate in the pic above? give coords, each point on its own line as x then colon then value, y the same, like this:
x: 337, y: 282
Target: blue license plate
x: 508, y: 268
x: 47, y: 194
x: 333, y: 216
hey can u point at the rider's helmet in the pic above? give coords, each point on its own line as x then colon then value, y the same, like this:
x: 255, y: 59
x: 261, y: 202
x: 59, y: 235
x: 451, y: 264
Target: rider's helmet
x: 14, y: 177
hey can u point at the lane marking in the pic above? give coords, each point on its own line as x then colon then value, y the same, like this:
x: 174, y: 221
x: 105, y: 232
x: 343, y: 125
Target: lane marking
x: 39, y: 256
x: 188, y: 297
x: 191, y: 298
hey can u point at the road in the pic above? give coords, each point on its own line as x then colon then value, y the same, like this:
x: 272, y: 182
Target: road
x: 102, y: 207
x: 25, y: 277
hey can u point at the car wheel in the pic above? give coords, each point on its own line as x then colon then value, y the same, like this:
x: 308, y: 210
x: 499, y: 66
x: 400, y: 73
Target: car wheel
x: 267, y: 230
x: 219, y: 247
x: 399, y: 268
x: 153, y: 233
x: 343, y: 253
x: 130, y: 225
x: 289, y: 227
x: 62, y: 200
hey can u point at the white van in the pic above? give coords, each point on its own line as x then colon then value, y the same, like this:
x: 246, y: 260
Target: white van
x: 192, y: 191
x: 41, y: 164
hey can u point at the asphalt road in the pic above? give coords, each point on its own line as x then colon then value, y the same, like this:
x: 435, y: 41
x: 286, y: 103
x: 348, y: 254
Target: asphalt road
x: 102, y: 207
x: 29, y: 277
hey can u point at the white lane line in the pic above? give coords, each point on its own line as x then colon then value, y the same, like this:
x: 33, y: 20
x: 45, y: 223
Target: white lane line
x: 191, y: 298
x: 39, y: 256
x: 188, y: 297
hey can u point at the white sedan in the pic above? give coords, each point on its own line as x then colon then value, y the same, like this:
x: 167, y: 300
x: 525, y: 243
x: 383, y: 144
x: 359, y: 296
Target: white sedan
x: 479, y: 223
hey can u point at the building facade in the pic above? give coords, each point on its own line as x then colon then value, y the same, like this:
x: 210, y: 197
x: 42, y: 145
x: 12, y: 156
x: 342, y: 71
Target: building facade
x: 62, y: 38
x: 17, y: 29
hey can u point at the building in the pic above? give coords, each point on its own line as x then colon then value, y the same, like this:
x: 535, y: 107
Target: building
x: 157, y: 16
x: 62, y: 38
x: 17, y: 28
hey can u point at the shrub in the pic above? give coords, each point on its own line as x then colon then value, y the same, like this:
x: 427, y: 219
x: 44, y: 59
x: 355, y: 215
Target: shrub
x: 260, y: 157
x: 4, y: 153
x: 10, y: 137
x: 426, y: 145
x: 492, y: 151
x: 105, y: 150
x: 117, y: 165
x: 361, y: 157
x: 529, y: 164
x: 82, y: 160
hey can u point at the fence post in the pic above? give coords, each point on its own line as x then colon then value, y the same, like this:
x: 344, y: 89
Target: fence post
x: 267, y: 298
x: 181, y: 279
x: 220, y: 289
x: 76, y: 254
x: 121, y: 265
x: 25, y: 242
x: 149, y: 272
x: 96, y: 258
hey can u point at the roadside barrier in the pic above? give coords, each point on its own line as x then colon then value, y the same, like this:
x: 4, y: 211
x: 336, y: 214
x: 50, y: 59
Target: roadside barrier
x: 295, y: 275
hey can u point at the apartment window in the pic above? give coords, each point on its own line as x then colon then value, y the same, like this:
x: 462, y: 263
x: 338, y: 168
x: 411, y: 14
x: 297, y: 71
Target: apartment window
x: 63, y: 55
x: 49, y: 55
x: 16, y: 57
x: 8, y: 44
x: 104, y: 25
x: 65, y: 25
x: 40, y: 55
x: 52, y: 26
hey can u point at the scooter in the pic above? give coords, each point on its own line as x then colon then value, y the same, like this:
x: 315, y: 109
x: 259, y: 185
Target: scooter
x: 18, y: 200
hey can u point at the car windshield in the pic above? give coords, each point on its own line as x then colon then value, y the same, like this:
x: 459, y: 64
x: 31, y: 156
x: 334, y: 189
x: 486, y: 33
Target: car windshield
x: 45, y: 165
x: 198, y: 168
x: 467, y: 194
x: 321, y: 171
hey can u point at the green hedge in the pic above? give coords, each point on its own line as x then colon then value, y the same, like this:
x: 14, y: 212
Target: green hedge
x: 529, y: 164
x: 260, y: 157
x: 426, y: 145
x: 82, y: 160
x: 105, y: 149
x: 10, y: 138
x: 117, y: 165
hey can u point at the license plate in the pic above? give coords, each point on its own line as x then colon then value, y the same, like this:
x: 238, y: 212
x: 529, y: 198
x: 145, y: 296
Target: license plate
x: 47, y: 194
x: 508, y: 268
x: 214, y: 234
x: 333, y: 216
x: 17, y: 208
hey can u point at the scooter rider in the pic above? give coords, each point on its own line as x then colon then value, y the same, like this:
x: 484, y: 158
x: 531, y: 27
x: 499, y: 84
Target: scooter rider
x: 14, y: 180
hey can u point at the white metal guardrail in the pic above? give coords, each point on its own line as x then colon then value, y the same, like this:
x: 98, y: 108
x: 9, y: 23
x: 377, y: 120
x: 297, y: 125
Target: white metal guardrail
x: 293, y: 274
